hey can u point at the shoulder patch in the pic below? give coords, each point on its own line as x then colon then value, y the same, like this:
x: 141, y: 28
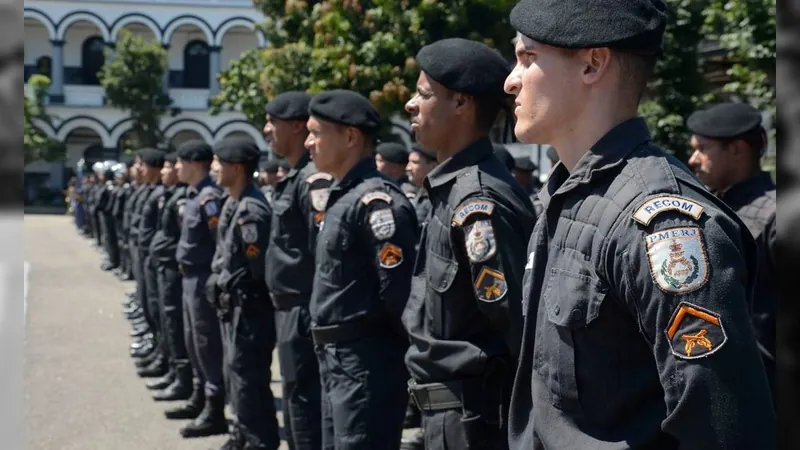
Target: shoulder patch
x: 694, y: 332
x: 390, y: 256
x: 382, y: 223
x: 370, y: 197
x: 490, y: 286
x: 318, y: 176
x: 480, y: 241
x: 319, y: 198
x: 249, y: 232
x: 470, y: 207
x: 210, y: 208
x: 654, y: 206
x: 678, y: 259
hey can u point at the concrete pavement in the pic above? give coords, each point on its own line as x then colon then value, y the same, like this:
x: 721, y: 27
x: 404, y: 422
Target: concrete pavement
x: 81, y: 389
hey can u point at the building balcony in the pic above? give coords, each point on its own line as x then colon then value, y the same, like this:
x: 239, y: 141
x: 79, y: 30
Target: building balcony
x: 189, y: 98
x: 76, y: 95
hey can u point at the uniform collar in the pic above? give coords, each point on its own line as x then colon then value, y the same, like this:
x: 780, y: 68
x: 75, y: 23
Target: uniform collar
x: 304, y: 160
x: 750, y: 188
x: 452, y: 166
x: 203, y: 183
x: 357, y: 172
x: 609, y: 152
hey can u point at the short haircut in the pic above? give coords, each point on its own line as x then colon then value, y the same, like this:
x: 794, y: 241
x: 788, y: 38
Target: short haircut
x: 755, y: 138
x: 487, y: 108
x: 635, y: 71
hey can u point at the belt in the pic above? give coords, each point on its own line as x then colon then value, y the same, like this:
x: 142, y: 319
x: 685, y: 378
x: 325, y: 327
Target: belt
x: 437, y: 396
x: 289, y: 301
x: 348, y: 331
x: 192, y: 269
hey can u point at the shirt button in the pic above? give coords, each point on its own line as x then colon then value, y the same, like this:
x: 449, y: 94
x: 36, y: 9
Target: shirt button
x: 577, y: 314
x: 557, y: 310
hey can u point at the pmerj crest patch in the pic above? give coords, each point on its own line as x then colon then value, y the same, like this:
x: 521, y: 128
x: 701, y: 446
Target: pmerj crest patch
x: 249, y: 233
x: 678, y: 260
x: 211, y: 208
x: 490, y: 285
x: 382, y: 223
x: 480, y: 242
x: 181, y: 206
x: 319, y: 198
x: 694, y: 332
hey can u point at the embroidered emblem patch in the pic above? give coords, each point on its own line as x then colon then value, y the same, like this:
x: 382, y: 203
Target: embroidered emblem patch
x: 411, y: 195
x: 480, y: 242
x: 382, y: 223
x: 490, y: 286
x: 678, y: 260
x: 161, y: 201
x: 211, y: 208
x: 318, y: 176
x: 252, y: 251
x: 212, y: 222
x: 319, y: 198
x: 694, y: 332
x: 645, y: 213
x: 377, y: 195
x: 181, y: 203
x: 249, y: 232
x: 471, y: 207
x: 390, y: 256
x: 319, y: 216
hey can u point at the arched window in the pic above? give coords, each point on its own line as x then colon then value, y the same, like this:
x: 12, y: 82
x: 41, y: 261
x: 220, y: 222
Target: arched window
x: 92, y: 59
x: 195, y: 65
x: 44, y: 66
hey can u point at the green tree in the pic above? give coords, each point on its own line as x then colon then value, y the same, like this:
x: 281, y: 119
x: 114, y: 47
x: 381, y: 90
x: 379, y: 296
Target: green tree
x: 133, y: 80
x: 37, y: 145
x: 366, y: 46
x: 678, y: 85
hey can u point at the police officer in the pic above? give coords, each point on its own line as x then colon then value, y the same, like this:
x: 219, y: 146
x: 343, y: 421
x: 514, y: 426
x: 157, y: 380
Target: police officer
x: 523, y: 173
x: 242, y: 299
x: 152, y: 161
x: 298, y: 212
x: 638, y: 280
x: 121, y: 194
x: 170, y: 291
x: 463, y: 316
x: 728, y: 142
x: 420, y: 164
x: 505, y: 157
x: 391, y: 159
x: 202, y: 337
x: 283, y: 168
x: 268, y: 178
x: 365, y: 252
x: 105, y: 203
x: 133, y: 309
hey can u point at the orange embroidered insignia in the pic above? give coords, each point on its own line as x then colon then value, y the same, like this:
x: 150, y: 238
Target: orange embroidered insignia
x: 490, y: 285
x: 390, y: 256
x: 252, y: 251
x: 213, y: 221
x: 694, y: 332
x: 318, y: 217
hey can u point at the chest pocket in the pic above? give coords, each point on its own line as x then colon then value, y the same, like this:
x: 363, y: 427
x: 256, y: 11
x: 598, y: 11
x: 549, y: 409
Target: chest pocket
x: 572, y: 302
x: 283, y: 222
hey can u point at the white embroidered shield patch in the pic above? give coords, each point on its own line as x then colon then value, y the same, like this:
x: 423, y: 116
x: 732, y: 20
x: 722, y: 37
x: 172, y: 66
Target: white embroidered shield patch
x: 382, y: 223
x: 211, y: 208
x: 249, y: 233
x: 161, y: 201
x: 678, y: 260
x: 319, y: 198
x: 480, y: 242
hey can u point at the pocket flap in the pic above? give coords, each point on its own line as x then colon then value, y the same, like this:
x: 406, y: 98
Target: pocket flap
x: 441, y: 272
x: 573, y: 300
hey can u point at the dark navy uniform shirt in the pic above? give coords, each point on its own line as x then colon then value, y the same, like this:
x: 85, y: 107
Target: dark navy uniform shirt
x: 637, y: 327
x: 242, y: 240
x: 754, y: 200
x: 365, y: 251
x: 165, y: 242
x: 298, y: 210
x: 148, y: 219
x: 201, y: 214
x: 136, y: 215
x: 465, y: 307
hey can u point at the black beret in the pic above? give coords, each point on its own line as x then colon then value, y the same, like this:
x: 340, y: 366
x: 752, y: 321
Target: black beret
x: 465, y: 66
x: 628, y: 25
x: 424, y: 152
x: 171, y: 158
x: 552, y: 155
x: 270, y: 166
x: 151, y: 157
x: 394, y: 152
x: 725, y: 120
x: 524, y: 164
x: 239, y: 150
x: 502, y: 153
x: 346, y: 108
x: 290, y: 105
x: 195, y: 150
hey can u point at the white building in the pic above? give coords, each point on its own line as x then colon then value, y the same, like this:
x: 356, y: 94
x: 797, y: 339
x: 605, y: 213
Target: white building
x: 65, y: 40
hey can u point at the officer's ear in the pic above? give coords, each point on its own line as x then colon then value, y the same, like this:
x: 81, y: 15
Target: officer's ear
x: 595, y: 63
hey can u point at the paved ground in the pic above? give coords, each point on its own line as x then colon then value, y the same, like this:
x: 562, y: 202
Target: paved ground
x: 81, y: 390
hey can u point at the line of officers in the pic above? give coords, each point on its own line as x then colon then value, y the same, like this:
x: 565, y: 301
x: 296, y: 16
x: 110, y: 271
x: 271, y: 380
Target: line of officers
x: 381, y: 290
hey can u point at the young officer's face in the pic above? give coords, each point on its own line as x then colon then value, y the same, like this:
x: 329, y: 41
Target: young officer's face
x: 327, y: 144
x: 547, y: 85
x: 431, y: 112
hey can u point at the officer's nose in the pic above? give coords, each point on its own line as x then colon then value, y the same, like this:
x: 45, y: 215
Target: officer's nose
x: 695, y: 160
x: 513, y: 82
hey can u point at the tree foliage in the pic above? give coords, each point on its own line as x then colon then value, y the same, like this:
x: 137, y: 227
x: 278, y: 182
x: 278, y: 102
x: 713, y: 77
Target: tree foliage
x: 37, y: 145
x: 133, y: 80
x: 366, y: 46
